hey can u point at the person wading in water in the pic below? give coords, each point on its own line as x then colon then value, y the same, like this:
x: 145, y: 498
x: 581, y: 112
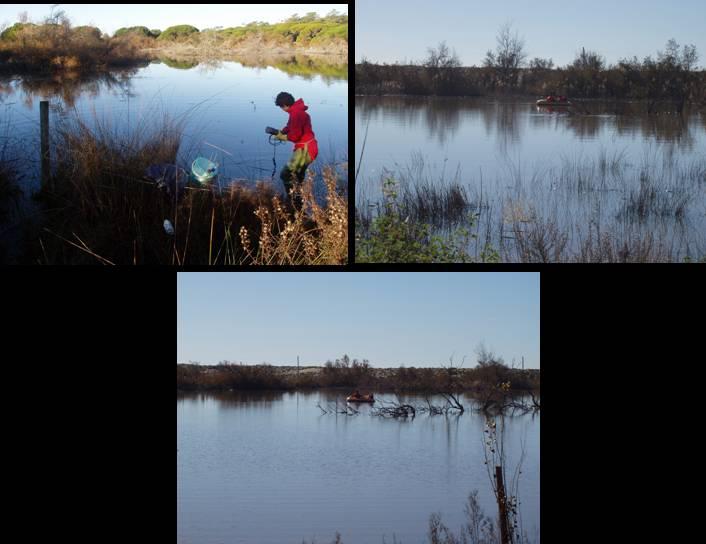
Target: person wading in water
x: 299, y: 132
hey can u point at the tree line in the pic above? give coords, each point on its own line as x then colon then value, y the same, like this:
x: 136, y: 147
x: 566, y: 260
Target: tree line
x: 672, y: 75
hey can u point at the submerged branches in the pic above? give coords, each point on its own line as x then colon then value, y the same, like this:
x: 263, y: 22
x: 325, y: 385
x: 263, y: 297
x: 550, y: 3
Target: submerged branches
x: 335, y: 408
x: 394, y: 410
x: 404, y: 410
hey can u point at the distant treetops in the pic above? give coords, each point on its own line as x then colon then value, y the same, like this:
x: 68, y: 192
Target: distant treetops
x: 297, y: 29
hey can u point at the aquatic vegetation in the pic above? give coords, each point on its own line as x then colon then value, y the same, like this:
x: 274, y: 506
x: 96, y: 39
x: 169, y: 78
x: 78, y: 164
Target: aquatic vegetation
x: 396, y: 231
x: 573, y: 214
x: 100, y: 209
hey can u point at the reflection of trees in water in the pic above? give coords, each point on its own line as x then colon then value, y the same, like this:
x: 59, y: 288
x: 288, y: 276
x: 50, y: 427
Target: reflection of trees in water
x: 585, y: 127
x: 68, y: 87
x: 503, y: 119
x: 330, y: 69
x: 441, y: 117
x: 628, y: 119
x: 234, y: 399
x: 668, y: 129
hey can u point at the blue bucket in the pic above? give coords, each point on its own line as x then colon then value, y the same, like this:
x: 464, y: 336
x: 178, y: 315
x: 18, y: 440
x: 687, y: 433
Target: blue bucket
x: 204, y: 170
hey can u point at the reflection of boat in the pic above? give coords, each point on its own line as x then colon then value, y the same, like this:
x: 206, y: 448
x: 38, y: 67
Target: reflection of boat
x: 545, y: 102
x: 362, y: 398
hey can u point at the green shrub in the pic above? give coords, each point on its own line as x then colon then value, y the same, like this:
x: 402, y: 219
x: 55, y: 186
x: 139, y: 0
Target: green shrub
x: 178, y: 32
x: 15, y: 30
x: 141, y: 30
x: 394, y: 238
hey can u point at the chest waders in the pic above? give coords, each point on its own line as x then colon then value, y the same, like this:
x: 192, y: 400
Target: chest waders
x: 295, y: 170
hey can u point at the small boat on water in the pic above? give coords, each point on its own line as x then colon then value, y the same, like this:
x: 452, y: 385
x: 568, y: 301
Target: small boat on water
x: 553, y: 101
x: 361, y: 398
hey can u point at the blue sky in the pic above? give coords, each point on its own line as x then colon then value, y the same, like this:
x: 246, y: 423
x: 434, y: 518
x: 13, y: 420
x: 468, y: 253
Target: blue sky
x: 388, y: 318
x: 110, y: 17
x: 396, y: 30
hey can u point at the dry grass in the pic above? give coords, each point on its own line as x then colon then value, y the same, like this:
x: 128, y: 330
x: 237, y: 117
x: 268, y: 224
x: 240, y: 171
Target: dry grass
x: 62, y: 49
x: 295, y: 237
x: 356, y: 374
x: 100, y: 209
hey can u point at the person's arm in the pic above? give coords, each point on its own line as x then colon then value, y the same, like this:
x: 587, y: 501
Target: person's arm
x: 295, y: 128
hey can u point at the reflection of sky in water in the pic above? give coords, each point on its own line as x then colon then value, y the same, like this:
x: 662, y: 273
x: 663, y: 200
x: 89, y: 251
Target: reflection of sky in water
x: 233, y: 471
x: 228, y: 107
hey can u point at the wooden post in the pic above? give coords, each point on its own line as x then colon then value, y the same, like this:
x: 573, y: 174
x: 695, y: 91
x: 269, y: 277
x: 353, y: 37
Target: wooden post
x: 502, y: 505
x: 44, y: 150
x: 297, y: 370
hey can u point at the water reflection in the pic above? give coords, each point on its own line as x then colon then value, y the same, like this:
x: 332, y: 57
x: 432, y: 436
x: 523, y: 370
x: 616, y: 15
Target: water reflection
x: 234, y: 399
x: 70, y: 86
x: 507, y: 122
x: 67, y: 88
x: 237, y: 466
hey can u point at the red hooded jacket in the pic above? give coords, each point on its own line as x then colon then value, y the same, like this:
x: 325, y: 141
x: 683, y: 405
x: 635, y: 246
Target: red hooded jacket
x: 298, y: 129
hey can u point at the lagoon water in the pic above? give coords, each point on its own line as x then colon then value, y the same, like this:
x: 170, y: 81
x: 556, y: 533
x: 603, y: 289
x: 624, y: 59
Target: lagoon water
x: 272, y: 468
x: 226, y: 104
x: 579, y: 169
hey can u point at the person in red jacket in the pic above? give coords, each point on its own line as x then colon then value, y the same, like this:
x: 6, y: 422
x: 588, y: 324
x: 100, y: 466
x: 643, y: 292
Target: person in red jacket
x: 299, y: 132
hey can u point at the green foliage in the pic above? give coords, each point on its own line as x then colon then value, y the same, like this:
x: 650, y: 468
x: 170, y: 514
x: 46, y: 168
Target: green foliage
x: 179, y: 64
x: 178, y: 32
x: 309, y: 68
x: 298, y: 30
x: 12, y: 33
x: 155, y: 33
x: 393, y: 238
x: 140, y: 30
x: 690, y: 260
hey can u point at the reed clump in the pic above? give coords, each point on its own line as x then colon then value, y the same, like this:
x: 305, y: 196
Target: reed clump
x: 594, y: 210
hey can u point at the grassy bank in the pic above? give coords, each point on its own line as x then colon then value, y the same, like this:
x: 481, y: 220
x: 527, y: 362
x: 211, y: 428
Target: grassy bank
x: 225, y: 376
x: 98, y: 208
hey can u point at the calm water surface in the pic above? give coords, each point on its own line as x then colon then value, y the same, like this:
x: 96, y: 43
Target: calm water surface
x: 271, y: 468
x: 226, y: 104
x: 576, y: 168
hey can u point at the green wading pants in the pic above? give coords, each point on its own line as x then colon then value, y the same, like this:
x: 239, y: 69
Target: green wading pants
x: 293, y: 173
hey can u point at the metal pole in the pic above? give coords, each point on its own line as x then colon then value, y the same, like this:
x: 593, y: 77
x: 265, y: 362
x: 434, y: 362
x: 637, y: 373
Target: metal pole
x: 44, y: 124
